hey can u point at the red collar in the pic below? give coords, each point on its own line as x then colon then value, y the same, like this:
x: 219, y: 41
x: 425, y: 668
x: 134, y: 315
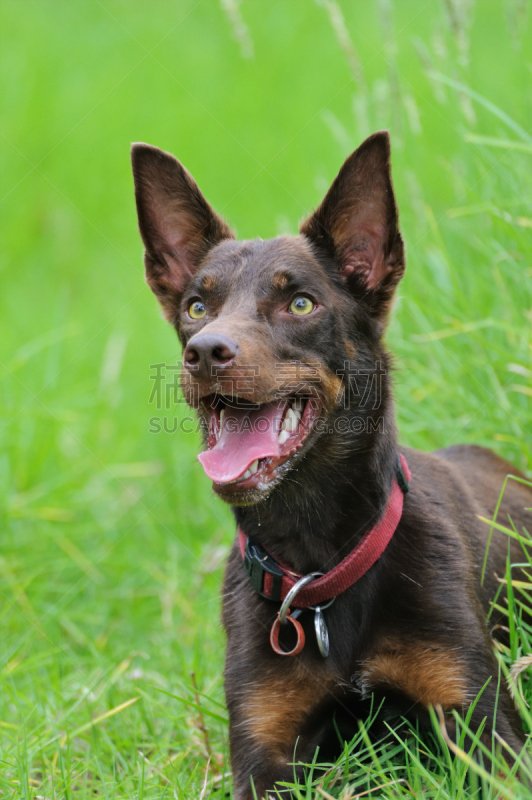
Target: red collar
x: 273, y: 579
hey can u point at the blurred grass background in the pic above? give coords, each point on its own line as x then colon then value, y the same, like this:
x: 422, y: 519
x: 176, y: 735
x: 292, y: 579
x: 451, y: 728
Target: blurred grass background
x: 112, y: 545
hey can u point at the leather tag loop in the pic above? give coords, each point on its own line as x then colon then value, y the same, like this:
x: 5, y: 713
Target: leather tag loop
x: 274, y: 636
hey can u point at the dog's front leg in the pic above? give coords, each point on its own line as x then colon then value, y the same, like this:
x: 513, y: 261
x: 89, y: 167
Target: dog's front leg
x: 274, y: 719
x: 256, y: 764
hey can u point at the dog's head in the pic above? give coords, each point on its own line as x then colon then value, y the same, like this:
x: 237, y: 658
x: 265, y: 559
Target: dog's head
x: 281, y: 338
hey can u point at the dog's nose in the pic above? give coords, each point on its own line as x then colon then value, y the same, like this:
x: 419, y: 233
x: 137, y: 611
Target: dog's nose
x: 208, y: 352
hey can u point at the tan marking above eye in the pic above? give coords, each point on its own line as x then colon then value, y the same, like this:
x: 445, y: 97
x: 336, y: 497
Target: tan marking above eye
x: 280, y: 281
x: 208, y: 283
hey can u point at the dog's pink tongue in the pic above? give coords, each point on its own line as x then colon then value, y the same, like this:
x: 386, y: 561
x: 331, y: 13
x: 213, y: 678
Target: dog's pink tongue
x: 247, y: 434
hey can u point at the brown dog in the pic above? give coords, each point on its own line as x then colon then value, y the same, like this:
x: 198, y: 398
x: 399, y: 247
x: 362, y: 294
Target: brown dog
x: 283, y: 357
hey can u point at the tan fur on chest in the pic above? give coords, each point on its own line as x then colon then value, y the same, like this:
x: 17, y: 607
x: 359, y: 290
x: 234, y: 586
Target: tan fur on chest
x: 276, y: 711
x: 427, y: 674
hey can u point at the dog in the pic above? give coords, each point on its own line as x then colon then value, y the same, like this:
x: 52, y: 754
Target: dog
x: 356, y: 572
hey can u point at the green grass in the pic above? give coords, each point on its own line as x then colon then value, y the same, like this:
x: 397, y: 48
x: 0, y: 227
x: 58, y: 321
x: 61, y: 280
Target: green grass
x: 112, y: 545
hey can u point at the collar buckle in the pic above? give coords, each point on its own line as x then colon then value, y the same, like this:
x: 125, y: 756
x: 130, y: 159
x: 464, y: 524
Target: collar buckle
x: 258, y: 565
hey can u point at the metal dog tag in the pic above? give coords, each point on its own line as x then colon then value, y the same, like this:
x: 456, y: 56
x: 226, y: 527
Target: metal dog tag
x: 322, y: 634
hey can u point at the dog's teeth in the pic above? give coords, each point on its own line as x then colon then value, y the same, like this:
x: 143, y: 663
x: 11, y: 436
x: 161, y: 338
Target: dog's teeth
x: 283, y: 436
x: 254, y: 467
x: 290, y: 421
x: 222, y: 412
x: 297, y: 407
x: 295, y: 419
x: 247, y: 474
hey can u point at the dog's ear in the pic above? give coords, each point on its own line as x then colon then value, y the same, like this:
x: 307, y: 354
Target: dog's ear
x: 177, y: 225
x: 357, y: 225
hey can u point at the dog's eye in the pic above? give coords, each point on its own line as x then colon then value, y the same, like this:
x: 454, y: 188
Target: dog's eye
x: 301, y: 306
x: 197, y: 309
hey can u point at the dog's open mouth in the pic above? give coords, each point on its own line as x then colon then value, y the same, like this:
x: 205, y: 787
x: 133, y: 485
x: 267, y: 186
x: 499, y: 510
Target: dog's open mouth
x: 247, y: 444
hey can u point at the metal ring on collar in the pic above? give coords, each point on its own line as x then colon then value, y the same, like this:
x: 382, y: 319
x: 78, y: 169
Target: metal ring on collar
x: 323, y: 606
x: 296, y: 588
